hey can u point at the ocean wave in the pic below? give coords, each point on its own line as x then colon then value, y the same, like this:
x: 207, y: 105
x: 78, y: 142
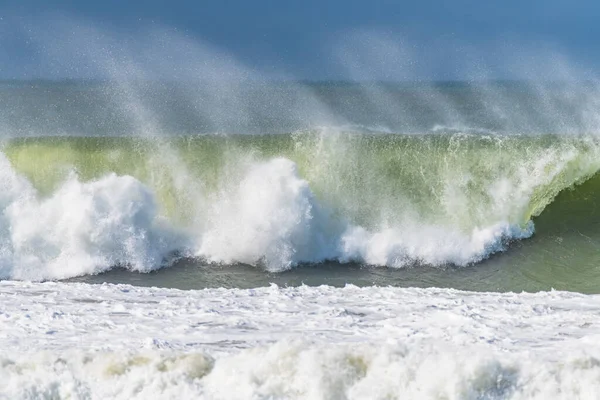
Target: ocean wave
x: 398, y: 201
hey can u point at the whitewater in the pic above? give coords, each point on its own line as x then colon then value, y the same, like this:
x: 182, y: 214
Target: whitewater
x: 183, y: 226
x: 240, y: 206
x: 84, y: 207
x: 118, y: 341
x: 272, y: 218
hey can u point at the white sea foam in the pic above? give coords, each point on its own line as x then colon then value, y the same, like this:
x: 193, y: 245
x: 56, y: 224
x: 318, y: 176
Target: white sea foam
x: 86, y: 341
x: 82, y: 228
x: 427, y: 244
x: 270, y: 218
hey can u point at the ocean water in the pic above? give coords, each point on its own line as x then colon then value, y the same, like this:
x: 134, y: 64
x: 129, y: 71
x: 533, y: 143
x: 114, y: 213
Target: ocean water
x: 299, y: 240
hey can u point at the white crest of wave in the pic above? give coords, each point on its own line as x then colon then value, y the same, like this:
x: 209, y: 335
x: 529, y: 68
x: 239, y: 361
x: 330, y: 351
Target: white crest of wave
x: 273, y: 218
x: 398, y: 247
x: 83, y: 228
x: 270, y: 217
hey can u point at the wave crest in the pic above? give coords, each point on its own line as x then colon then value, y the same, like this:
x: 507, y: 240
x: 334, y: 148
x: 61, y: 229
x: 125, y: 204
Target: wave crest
x: 275, y: 201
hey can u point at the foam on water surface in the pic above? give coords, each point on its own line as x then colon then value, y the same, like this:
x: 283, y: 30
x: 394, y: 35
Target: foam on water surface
x: 118, y: 341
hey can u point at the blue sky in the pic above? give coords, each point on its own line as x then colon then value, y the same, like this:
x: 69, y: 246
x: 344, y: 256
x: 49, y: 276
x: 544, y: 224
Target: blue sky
x: 305, y: 38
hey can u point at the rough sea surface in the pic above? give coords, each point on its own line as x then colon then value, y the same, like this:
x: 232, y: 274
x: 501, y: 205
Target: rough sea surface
x: 301, y: 240
x: 119, y: 341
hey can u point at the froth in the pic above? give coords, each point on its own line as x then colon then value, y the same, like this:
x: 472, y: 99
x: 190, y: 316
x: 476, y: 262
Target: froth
x: 414, y: 243
x: 71, y: 340
x: 269, y: 216
x: 82, y: 228
x: 299, y: 370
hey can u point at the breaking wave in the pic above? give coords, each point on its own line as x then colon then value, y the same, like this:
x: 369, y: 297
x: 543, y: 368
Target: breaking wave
x: 77, y: 206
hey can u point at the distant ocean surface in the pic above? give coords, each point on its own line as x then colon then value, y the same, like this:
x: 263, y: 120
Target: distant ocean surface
x: 330, y: 238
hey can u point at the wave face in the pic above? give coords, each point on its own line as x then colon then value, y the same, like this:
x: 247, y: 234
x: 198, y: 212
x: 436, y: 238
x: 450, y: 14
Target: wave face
x: 82, y: 205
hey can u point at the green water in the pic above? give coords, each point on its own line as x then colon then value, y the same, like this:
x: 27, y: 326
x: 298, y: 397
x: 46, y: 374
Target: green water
x: 461, y: 180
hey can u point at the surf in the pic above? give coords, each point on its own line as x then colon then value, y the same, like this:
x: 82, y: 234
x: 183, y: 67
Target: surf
x: 84, y: 205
